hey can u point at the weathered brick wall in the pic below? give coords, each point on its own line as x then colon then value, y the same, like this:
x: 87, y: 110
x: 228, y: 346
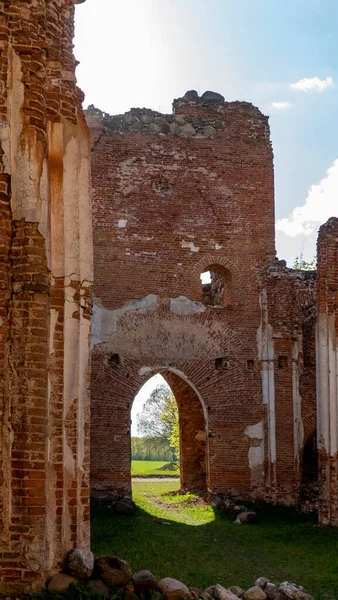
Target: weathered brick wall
x: 326, y: 354
x: 291, y: 317
x: 45, y: 279
x: 172, y: 196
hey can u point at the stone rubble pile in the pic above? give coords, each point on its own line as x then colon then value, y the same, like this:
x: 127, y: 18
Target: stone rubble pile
x: 228, y: 506
x: 144, y: 119
x: 112, y: 576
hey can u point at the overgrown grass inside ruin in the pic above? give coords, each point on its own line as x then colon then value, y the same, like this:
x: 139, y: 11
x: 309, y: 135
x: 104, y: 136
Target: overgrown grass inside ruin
x: 180, y: 536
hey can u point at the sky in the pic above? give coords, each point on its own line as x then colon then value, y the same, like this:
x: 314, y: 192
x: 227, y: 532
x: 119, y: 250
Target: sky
x: 281, y: 55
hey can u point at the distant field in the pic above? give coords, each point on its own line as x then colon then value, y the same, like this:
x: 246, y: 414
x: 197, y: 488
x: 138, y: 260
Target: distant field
x: 153, y: 468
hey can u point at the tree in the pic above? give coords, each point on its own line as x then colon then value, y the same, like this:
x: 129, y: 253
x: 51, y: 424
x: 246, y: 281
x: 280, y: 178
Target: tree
x: 302, y: 265
x: 159, y: 418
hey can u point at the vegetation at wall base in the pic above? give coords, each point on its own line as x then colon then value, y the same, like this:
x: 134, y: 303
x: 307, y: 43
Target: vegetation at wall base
x: 201, y: 547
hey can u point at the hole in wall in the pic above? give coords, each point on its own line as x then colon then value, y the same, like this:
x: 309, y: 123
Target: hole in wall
x: 216, y: 286
x: 222, y: 363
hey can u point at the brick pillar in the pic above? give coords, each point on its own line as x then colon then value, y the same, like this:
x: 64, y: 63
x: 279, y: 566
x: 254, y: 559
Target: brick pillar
x: 46, y: 276
x: 327, y: 360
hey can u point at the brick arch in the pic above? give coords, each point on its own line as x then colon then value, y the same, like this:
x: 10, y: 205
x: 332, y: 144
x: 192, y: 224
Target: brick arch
x: 115, y: 389
x: 213, y: 259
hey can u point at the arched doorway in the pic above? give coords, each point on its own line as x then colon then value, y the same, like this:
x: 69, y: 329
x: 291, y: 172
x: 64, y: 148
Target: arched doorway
x: 111, y: 429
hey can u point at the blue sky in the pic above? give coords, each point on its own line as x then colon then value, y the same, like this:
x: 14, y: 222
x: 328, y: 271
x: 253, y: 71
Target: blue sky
x: 146, y: 52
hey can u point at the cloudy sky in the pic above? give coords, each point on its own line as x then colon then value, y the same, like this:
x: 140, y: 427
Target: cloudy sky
x: 281, y: 55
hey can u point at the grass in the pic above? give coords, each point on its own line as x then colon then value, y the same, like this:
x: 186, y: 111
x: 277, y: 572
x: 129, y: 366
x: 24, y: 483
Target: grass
x: 153, y: 468
x: 202, y: 547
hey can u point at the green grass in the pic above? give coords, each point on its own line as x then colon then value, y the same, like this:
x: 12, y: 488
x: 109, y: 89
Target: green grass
x: 202, y: 547
x: 153, y: 468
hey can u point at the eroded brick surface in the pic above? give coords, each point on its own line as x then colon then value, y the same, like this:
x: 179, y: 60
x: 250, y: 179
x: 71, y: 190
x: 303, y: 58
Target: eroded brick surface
x: 327, y: 392
x: 174, y: 196
x: 44, y: 231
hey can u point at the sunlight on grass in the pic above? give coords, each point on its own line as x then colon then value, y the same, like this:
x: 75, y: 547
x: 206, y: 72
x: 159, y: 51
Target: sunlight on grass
x: 177, y: 535
x: 158, y: 500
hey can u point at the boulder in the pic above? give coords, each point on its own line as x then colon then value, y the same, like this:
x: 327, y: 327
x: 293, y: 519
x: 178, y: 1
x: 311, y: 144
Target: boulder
x: 208, y: 593
x: 113, y: 571
x: 122, y: 507
x: 290, y: 591
x: 246, y: 517
x: 160, y: 121
x: 195, y: 592
x: 79, y: 563
x: 146, y: 118
x: 210, y: 590
x: 180, y: 120
x: 216, y: 501
x: 270, y: 590
x: 174, y: 129
x: 145, y: 583
x: 191, y: 95
x: 172, y: 589
x: 261, y: 582
x: 209, y: 96
x: 206, y: 596
x: 97, y: 587
x: 154, y: 128
x: 221, y: 593
x: 60, y: 583
x: 254, y: 593
x: 188, y: 129
x: 209, y: 131
x: 236, y: 590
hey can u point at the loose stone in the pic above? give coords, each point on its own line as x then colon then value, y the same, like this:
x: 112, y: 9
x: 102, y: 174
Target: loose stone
x: 173, y: 589
x: 113, y: 571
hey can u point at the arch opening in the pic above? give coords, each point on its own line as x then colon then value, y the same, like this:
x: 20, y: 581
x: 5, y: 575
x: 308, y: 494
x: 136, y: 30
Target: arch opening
x: 216, y: 286
x: 115, y: 424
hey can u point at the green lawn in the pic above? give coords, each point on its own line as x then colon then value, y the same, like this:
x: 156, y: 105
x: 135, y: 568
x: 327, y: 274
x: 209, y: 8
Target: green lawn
x: 202, y: 547
x: 153, y: 468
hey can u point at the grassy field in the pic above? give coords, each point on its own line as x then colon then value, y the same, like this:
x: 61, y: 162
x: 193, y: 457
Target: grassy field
x: 201, y: 547
x: 153, y: 468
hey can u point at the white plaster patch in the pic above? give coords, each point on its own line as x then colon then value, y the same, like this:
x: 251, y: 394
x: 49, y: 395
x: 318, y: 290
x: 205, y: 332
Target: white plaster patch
x: 255, y: 431
x: 218, y: 246
x: 256, y: 456
x: 190, y: 245
x: 104, y: 320
x: 122, y: 223
x: 183, y: 306
x: 144, y: 370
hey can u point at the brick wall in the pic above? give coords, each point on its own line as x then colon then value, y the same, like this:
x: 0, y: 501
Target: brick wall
x: 172, y: 196
x: 45, y: 246
x: 326, y: 351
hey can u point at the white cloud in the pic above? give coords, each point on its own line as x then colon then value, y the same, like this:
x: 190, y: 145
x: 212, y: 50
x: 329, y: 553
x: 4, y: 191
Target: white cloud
x: 281, y: 105
x: 313, y: 84
x: 320, y: 204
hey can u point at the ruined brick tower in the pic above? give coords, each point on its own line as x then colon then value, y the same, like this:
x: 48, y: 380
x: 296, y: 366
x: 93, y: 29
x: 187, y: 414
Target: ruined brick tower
x: 46, y: 277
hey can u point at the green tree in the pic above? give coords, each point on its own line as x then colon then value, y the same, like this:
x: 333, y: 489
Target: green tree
x: 302, y: 265
x: 159, y: 418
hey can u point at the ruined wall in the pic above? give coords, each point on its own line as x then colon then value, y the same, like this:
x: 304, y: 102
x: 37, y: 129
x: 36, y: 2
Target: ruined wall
x: 172, y: 196
x: 290, y: 393
x: 45, y: 281
x: 326, y: 353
